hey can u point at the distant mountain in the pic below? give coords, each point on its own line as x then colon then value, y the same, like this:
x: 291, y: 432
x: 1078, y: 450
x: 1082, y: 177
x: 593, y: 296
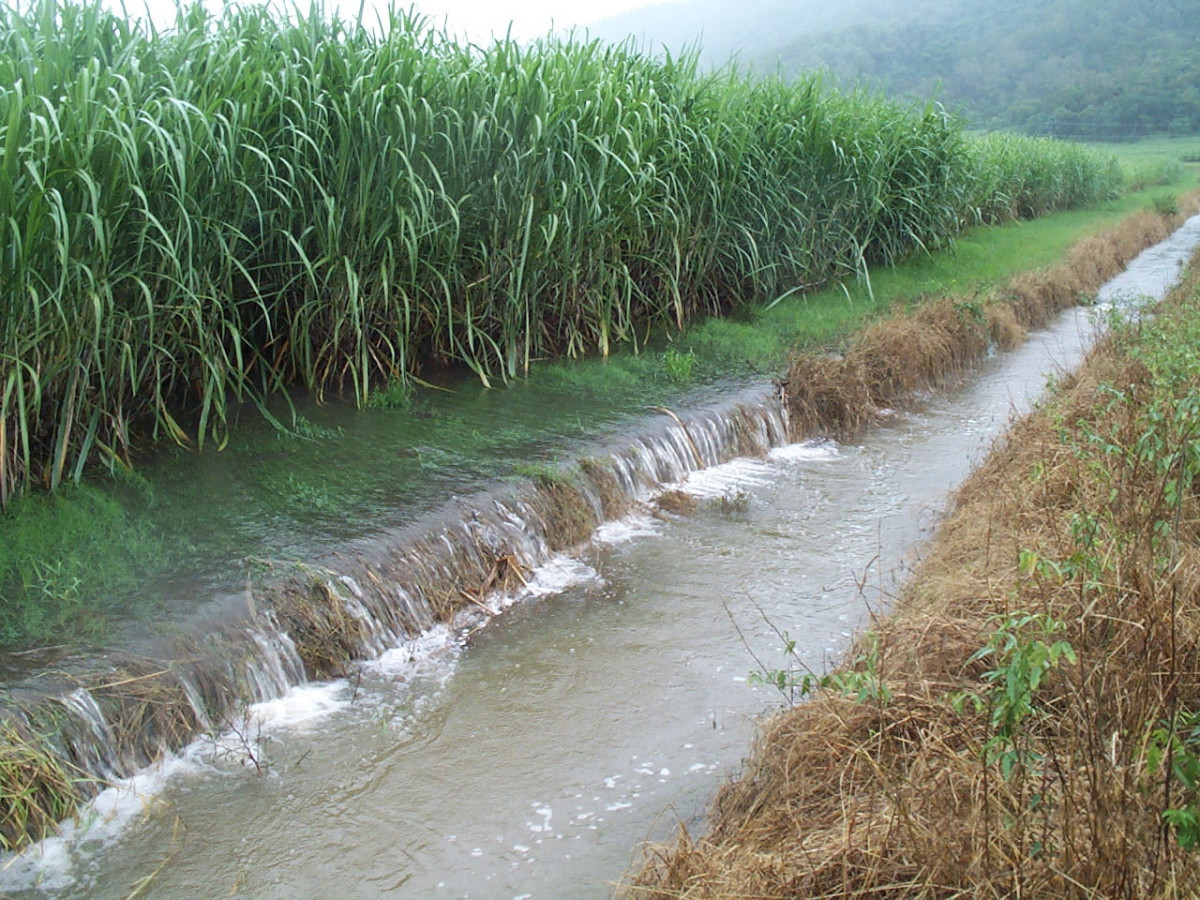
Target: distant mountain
x: 1091, y: 69
x: 751, y: 29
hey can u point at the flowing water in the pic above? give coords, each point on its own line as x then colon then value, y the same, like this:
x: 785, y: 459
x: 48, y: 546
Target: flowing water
x: 529, y: 754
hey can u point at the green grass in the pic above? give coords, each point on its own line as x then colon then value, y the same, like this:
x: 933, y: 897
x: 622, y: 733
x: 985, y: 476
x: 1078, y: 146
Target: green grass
x: 58, y: 553
x: 1159, y: 161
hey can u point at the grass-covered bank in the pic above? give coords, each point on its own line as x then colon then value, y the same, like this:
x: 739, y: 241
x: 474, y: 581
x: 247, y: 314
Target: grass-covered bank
x: 244, y: 204
x: 917, y: 348
x: 1024, y: 723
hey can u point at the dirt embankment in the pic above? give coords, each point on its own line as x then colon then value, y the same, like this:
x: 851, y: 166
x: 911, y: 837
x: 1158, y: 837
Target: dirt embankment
x: 1026, y: 722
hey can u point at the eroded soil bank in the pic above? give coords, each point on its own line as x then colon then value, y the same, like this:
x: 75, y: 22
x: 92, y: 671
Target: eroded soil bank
x: 1024, y: 723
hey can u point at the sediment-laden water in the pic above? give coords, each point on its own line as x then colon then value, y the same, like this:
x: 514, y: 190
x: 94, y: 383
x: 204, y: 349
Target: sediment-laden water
x: 528, y: 755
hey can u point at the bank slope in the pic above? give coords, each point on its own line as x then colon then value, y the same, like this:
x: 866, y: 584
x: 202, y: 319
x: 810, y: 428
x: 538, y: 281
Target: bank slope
x: 1026, y: 721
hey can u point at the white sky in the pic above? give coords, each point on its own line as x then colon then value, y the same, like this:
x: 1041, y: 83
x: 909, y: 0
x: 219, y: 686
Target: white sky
x: 477, y: 20
x: 530, y: 18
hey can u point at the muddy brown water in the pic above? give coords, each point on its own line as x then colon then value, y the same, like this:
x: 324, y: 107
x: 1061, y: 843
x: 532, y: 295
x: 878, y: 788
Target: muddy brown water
x: 531, y: 759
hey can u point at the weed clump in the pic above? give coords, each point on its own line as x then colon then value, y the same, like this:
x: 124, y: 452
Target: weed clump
x: 614, y: 502
x: 326, y: 634
x: 37, y: 791
x: 676, y: 503
x: 568, y: 518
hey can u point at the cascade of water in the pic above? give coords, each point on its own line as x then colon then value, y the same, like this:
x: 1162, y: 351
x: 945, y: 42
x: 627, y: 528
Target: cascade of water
x: 373, y: 598
x: 93, y: 745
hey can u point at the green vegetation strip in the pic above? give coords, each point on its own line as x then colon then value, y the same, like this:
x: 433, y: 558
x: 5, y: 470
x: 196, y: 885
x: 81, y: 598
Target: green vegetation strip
x: 1027, y: 721
x: 71, y: 562
x: 245, y: 203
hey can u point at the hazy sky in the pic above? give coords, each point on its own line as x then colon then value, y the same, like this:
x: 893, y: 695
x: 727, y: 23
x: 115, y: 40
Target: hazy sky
x: 530, y: 18
x: 476, y: 19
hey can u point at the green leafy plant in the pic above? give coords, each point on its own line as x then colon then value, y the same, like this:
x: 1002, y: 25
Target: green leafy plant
x: 396, y: 394
x: 250, y: 203
x: 1165, y: 205
x: 861, y: 680
x: 1173, y: 753
x: 543, y: 473
x: 306, y: 429
x: 679, y: 365
x: 1024, y: 651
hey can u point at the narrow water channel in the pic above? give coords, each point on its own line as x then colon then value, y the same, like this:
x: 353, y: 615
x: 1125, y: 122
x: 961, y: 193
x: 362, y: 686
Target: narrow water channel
x: 531, y: 759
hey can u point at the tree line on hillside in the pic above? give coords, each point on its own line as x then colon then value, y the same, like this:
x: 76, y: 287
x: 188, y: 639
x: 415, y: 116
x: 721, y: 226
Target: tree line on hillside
x: 1083, y: 69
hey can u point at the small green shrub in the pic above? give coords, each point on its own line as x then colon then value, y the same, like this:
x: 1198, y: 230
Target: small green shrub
x: 1175, y: 746
x: 1165, y: 205
x: 1024, y: 652
x: 679, y: 365
x: 396, y: 394
x: 861, y: 680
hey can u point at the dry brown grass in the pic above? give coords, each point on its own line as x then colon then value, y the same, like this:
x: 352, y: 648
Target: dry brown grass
x: 614, y: 502
x: 676, y: 503
x: 146, y: 710
x: 899, y: 797
x: 38, y: 790
x: 327, y: 636
x: 911, y: 351
x: 569, y: 518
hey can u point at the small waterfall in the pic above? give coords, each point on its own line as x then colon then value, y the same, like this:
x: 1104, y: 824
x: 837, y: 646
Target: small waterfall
x: 371, y: 598
x: 91, y: 743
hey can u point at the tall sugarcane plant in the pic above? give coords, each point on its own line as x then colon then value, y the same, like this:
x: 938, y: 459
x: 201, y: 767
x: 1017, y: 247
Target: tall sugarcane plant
x: 250, y: 202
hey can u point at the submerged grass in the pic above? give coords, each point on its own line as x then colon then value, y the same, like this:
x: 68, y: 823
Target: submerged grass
x: 242, y: 203
x: 1024, y: 724
x: 58, y: 552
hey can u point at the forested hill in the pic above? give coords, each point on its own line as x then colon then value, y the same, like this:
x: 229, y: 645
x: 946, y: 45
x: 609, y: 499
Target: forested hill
x: 754, y: 30
x: 1073, y: 68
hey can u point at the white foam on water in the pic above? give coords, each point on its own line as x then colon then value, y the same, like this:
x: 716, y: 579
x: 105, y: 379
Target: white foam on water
x: 717, y: 481
x: 546, y: 814
x: 556, y: 576
x: 805, y: 451
x: 638, y: 524
x: 50, y: 864
x: 433, y: 650
x: 301, y: 707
